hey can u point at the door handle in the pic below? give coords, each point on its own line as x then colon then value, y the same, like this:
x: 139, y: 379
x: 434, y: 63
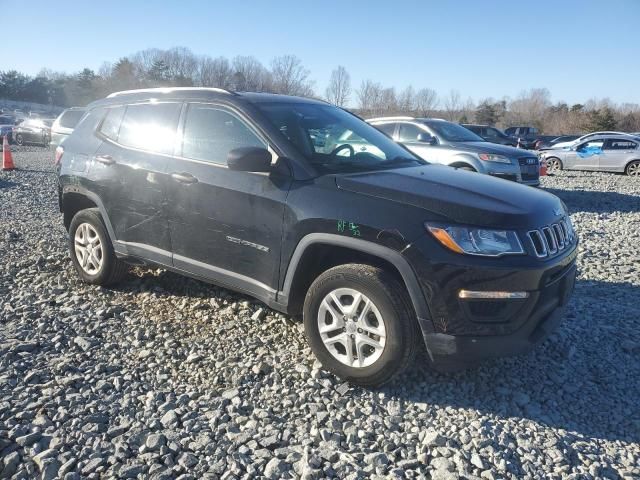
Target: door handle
x: 105, y: 159
x: 184, y: 178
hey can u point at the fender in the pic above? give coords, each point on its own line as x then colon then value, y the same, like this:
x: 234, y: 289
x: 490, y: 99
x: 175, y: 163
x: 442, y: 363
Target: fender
x: 393, y: 256
x: 95, y: 199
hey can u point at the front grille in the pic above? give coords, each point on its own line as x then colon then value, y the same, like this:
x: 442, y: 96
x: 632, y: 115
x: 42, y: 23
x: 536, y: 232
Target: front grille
x: 529, y: 168
x: 552, y: 239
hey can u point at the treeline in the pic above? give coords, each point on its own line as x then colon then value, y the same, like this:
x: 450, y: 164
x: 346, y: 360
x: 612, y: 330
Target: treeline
x: 286, y: 74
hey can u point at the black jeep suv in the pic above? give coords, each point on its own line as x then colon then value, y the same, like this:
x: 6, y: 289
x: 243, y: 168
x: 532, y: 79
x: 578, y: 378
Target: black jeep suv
x: 378, y: 250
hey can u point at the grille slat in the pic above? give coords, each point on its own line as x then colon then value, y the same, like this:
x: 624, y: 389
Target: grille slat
x: 551, y: 239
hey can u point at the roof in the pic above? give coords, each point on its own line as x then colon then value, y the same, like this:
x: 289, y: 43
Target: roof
x: 198, y: 93
x: 414, y: 119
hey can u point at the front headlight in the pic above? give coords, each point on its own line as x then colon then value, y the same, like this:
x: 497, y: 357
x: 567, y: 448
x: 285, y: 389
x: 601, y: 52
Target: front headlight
x: 477, y: 241
x: 487, y: 157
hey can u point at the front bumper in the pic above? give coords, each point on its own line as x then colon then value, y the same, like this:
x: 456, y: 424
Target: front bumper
x: 451, y: 352
x: 462, y: 332
x: 521, y: 173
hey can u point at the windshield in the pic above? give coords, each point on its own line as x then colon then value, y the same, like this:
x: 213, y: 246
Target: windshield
x: 334, y: 141
x: 452, y: 132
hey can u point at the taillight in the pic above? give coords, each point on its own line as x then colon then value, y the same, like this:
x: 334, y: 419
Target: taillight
x: 59, y: 152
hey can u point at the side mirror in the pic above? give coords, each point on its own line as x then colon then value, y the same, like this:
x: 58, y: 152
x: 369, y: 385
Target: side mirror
x: 426, y: 138
x: 249, y: 159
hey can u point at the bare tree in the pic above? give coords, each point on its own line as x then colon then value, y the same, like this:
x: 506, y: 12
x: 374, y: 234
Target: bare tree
x: 368, y: 96
x: 214, y: 72
x: 290, y: 77
x: 530, y: 107
x: 339, y: 88
x: 249, y: 75
x: 452, y: 105
x: 426, y: 101
x: 407, y: 100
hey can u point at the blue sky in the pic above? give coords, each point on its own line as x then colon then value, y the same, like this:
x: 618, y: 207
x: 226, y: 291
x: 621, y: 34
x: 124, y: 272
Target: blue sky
x: 578, y: 49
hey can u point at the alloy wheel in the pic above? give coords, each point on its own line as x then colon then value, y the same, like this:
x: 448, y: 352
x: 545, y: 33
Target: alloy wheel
x: 351, y: 327
x: 633, y: 170
x: 88, y: 249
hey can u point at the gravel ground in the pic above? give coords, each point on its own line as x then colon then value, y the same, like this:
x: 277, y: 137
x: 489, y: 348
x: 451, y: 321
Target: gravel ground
x: 166, y: 377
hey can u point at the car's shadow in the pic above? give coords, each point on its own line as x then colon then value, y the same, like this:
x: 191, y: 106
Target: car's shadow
x: 585, y: 378
x: 597, y: 202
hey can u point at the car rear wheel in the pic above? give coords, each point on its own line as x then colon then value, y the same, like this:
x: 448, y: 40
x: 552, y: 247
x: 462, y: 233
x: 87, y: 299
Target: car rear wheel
x: 91, y: 250
x: 360, y: 324
x: 553, y: 165
x: 633, y: 169
x: 19, y: 139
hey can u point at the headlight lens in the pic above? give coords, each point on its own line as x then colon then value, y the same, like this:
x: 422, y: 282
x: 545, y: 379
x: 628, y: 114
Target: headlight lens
x: 487, y: 157
x: 477, y: 241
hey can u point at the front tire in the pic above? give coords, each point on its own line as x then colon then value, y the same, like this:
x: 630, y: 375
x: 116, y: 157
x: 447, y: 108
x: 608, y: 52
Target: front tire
x: 553, y: 165
x: 91, y: 250
x: 360, y: 324
x: 633, y: 169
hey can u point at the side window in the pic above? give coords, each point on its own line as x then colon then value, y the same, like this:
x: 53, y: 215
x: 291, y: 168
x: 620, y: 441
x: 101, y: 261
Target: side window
x: 613, y: 144
x: 211, y: 133
x: 388, y: 128
x: 150, y: 126
x: 593, y: 146
x: 490, y: 133
x: 111, y: 123
x: 409, y: 133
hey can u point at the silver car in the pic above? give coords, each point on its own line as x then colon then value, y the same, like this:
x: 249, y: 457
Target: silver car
x: 607, y: 153
x: 440, y: 141
x: 64, y: 124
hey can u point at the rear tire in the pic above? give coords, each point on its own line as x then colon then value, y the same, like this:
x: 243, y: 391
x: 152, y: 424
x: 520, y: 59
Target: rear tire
x: 633, y: 169
x: 360, y: 324
x: 91, y: 250
x: 19, y: 139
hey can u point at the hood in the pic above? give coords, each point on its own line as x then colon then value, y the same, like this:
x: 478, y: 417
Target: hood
x: 462, y: 197
x: 492, y: 148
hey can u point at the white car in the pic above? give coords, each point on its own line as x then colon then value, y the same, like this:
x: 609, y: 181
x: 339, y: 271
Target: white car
x: 582, y: 139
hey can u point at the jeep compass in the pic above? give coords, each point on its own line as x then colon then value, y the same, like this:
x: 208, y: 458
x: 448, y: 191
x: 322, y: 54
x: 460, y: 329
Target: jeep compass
x: 379, y: 251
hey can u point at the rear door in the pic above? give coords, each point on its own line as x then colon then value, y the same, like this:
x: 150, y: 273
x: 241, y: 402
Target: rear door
x: 130, y: 167
x: 225, y: 225
x: 616, y: 153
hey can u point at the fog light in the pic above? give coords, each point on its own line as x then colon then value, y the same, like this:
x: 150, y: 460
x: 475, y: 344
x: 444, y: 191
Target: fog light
x: 492, y: 295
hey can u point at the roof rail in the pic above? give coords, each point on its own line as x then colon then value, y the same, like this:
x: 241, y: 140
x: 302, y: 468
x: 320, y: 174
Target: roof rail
x: 169, y: 90
x: 390, y: 118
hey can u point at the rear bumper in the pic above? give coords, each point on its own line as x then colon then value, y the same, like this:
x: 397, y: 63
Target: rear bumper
x: 451, y: 352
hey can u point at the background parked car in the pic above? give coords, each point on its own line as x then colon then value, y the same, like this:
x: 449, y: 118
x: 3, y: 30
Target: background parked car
x: 448, y: 143
x: 491, y: 134
x: 527, y: 135
x: 64, y: 124
x: 562, y: 138
x: 583, y: 138
x: 32, y: 131
x: 613, y: 153
x: 6, y: 130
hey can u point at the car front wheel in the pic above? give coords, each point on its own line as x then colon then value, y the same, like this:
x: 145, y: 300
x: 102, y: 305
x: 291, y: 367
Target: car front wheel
x: 360, y: 324
x: 553, y: 165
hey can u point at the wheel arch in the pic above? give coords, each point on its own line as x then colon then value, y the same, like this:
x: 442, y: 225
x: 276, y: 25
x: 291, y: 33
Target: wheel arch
x: 317, y: 252
x: 74, y: 199
x: 629, y: 163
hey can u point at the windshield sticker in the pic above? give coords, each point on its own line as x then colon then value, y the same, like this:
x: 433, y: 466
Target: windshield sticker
x: 348, y: 227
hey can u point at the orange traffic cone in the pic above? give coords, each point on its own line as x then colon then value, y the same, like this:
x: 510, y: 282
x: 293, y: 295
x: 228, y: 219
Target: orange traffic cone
x: 7, y: 159
x: 543, y: 167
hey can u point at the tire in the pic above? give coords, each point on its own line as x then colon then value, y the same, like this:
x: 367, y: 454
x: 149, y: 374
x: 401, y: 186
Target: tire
x: 390, y: 313
x: 633, y: 169
x: 554, y: 164
x: 102, y: 267
x: 19, y: 139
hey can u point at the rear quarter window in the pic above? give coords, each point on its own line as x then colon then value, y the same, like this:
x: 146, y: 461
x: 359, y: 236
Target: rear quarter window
x: 70, y: 118
x: 150, y: 126
x: 111, y: 123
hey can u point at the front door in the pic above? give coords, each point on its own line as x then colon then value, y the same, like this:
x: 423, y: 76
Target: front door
x: 587, y: 155
x: 225, y: 225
